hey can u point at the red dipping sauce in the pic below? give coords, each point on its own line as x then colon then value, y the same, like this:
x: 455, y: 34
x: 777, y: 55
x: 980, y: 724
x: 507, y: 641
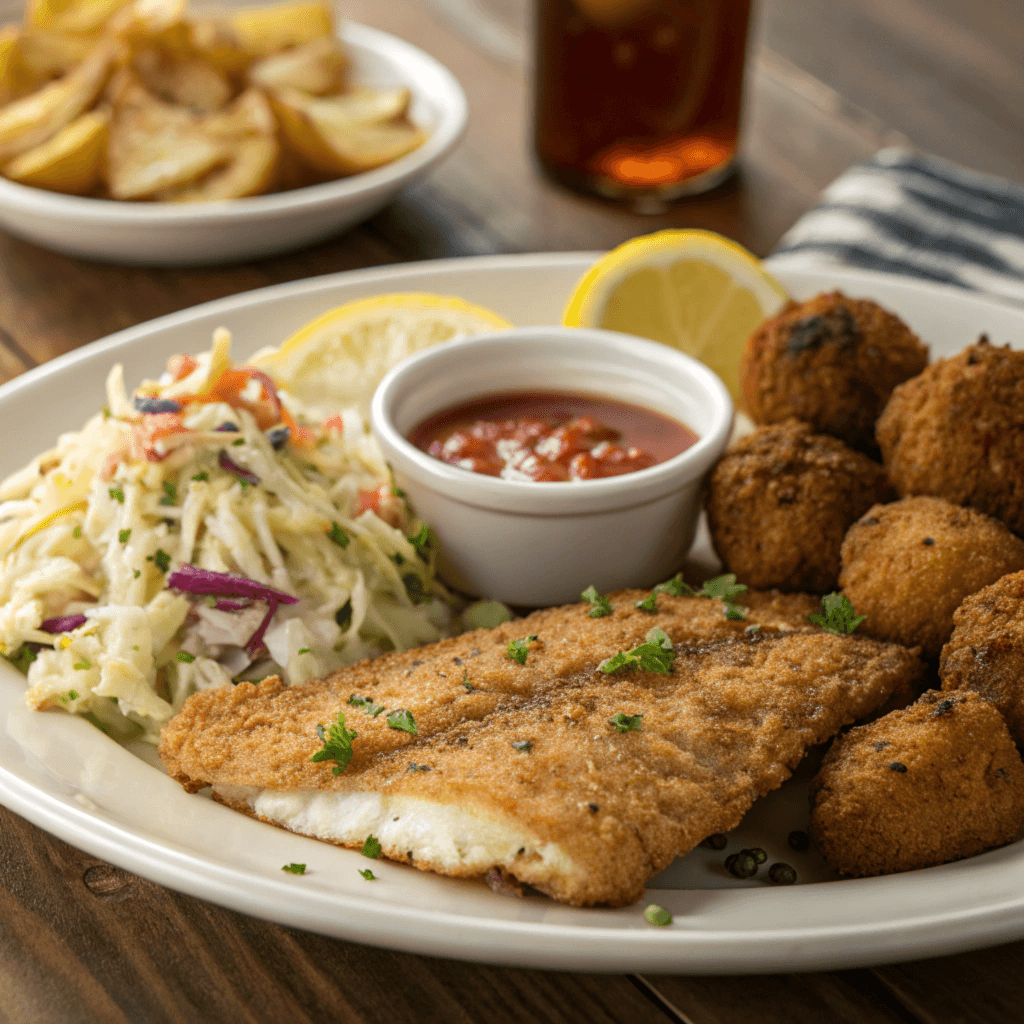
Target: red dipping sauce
x: 551, y: 436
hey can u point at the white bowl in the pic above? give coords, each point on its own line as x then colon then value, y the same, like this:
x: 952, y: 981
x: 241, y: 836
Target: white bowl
x: 240, y: 229
x: 529, y: 543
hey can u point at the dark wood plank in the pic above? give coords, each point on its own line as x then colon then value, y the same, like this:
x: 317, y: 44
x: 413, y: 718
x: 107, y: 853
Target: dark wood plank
x: 83, y: 942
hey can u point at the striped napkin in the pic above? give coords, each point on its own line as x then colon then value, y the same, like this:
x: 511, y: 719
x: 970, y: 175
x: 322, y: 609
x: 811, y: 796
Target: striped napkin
x: 904, y: 213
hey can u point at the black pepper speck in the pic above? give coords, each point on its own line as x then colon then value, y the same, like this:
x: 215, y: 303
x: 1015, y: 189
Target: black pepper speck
x: 943, y: 706
x: 897, y: 766
x: 929, y: 541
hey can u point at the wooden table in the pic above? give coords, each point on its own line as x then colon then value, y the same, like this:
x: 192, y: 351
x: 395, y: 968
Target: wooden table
x: 829, y: 83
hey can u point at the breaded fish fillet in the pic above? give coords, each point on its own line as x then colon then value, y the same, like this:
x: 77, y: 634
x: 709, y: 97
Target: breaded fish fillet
x: 520, y: 767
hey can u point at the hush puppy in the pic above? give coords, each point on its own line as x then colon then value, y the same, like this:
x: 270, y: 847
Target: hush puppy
x: 908, y: 565
x: 832, y: 362
x: 938, y: 781
x: 986, y: 651
x: 957, y: 431
x: 780, y: 501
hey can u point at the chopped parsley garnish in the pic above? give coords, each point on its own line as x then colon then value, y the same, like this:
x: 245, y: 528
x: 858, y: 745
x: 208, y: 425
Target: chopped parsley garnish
x: 676, y: 586
x: 72, y: 695
x: 371, y: 848
x: 365, y: 704
x: 422, y: 541
x: 722, y: 588
x: 523, y: 746
x: 185, y: 657
x: 295, y: 869
x: 303, y: 650
x: 601, y: 605
x: 241, y: 440
x: 734, y: 612
x: 137, y: 573
x: 201, y: 476
x: 82, y: 665
x: 626, y: 723
x: 77, y: 533
x: 657, y: 916
x: 117, y: 494
x: 655, y: 655
x: 398, y: 492
x: 161, y: 559
x: 648, y: 604
x: 124, y: 535
x: 519, y: 649
x: 170, y: 493
x: 838, y: 615
x: 465, y: 681
x: 338, y: 535
x: 368, y: 874
x: 414, y: 767
x: 337, y: 741
x: 403, y: 721
x: 22, y: 658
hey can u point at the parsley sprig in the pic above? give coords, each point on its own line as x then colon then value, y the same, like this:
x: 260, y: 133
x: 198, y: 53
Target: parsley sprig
x: 294, y: 869
x: 656, y: 654
x: 403, y: 721
x: 337, y: 741
x: 648, y: 604
x: 626, y: 723
x: 371, y: 847
x: 676, y: 586
x: 601, y: 605
x: 838, y: 615
x: 722, y: 588
x: 366, y: 704
x: 519, y: 649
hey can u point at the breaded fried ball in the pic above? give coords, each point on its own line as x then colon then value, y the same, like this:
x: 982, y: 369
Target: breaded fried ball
x: 908, y: 565
x: 957, y: 431
x: 938, y: 781
x: 832, y: 362
x: 780, y: 501
x: 986, y: 651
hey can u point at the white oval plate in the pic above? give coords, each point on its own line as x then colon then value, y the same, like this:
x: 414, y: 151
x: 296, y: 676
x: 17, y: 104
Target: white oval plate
x: 68, y: 778
x: 186, y: 234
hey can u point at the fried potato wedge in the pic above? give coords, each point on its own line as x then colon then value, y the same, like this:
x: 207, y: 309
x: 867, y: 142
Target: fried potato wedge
x: 188, y: 81
x: 70, y: 162
x: 266, y: 30
x: 16, y: 79
x: 48, y: 55
x: 30, y: 121
x: 250, y: 114
x: 250, y: 173
x: 218, y: 43
x: 81, y: 17
x: 317, y: 67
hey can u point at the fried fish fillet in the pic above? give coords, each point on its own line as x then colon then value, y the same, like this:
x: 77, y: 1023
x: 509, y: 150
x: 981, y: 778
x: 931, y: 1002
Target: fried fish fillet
x: 521, y: 767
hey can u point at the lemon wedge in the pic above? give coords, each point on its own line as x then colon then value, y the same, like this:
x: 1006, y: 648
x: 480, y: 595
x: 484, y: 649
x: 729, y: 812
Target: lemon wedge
x: 337, y: 360
x: 693, y: 290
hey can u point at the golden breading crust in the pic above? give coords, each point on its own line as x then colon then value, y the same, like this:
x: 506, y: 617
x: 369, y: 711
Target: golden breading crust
x: 908, y: 565
x: 936, y: 782
x: 780, y: 501
x: 957, y: 431
x: 986, y: 651
x: 832, y: 362
x: 730, y: 722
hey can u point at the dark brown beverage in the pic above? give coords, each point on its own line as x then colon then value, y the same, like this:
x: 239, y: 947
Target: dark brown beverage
x: 638, y: 98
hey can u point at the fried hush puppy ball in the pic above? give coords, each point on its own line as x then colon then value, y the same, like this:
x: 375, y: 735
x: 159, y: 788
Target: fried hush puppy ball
x: 939, y: 781
x: 907, y: 566
x: 986, y: 651
x: 832, y: 362
x: 780, y: 501
x: 957, y: 431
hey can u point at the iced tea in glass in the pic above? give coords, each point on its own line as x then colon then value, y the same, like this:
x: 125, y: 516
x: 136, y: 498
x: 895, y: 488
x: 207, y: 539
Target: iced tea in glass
x: 638, y: 99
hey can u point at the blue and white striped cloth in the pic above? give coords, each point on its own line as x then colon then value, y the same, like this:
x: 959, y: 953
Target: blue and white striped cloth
x: 904, y: 213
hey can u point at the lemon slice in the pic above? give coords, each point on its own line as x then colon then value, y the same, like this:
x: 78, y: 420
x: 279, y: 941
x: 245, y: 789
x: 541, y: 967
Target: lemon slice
x: 337, y: 360
x: 693, y: 290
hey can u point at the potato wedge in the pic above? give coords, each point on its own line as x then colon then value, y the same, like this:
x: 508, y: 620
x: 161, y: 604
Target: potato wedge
x: 70, y: 162
x: 48, y: 55
x: 250, y: 173
x: 82, y: 17
x: 317, y: 67
x: 30, y: 121
x: 250, y: 114
x: 188, y: 81
x: 16, y: 79
x: 217, y: 42
x: 265, y: 30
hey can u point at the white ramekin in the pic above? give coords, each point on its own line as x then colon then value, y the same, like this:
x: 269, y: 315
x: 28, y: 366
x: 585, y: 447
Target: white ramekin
x: 534, y: 544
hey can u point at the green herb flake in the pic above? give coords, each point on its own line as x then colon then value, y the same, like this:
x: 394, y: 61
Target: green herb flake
x: 162, y: 560
x: 838, y: 615
x: 735, y: 612
x: 295, y: 869
x: 658, y: 916
x: 185, y: 657
x: 398, y: 492
x: 523, y: 746
x: 371, y: 848
x: 337, y: 744
x: 722, y: 588
x: 648, y: 604
x: 403, y: 721
x: 303, y: 650
x: 72, y: 695
x: 22, y: 658
x: 422, y: 540
x: 338, y: 535
x: 368, y: 875
x: 366, y: 704
x: 626, y: 723
x: 519, y: 649
x: 124, y: 535
x: 201, y: 476
x: 82, y: 665
x: 137, y: 573
x: 466, y: 683
x: 170, y: 493
x: 676, y: 586
x: 601, y: 605
x: 77, y: 533
x: 655, y: 655
x: 240, y: 441
x: 414, y: 767
x: 117, y: 494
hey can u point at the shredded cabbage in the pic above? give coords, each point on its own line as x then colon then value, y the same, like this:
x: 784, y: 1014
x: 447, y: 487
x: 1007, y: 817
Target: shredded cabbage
x: 205, y: 531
